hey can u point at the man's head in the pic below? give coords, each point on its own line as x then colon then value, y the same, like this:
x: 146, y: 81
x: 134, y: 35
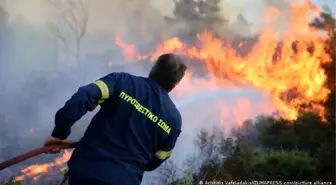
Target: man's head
x: 168, y: 71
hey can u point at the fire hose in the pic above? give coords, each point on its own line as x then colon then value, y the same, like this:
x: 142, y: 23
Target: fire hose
x: 33, y: 153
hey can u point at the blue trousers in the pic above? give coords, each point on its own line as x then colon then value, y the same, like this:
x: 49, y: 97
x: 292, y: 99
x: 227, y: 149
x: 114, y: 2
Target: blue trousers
x: 78, y: 179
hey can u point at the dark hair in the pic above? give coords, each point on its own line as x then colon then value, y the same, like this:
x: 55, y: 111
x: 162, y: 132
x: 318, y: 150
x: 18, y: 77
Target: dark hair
x: 168, y: 71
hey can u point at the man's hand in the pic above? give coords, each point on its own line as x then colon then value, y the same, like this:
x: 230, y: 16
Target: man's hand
x: 56, y: 141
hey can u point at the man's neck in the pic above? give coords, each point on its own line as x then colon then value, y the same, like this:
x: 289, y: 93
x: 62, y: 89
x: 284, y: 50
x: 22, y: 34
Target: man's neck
x: 154, y: 81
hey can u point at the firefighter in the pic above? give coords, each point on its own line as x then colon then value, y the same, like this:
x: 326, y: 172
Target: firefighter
x: 134, y: 131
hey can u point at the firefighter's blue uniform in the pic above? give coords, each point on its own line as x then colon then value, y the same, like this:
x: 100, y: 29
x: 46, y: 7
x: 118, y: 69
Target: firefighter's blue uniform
x: 134, y: 131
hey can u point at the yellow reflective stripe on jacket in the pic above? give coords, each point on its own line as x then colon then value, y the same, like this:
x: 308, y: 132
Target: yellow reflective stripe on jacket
x: 163, y: 154
x: 103, y: 89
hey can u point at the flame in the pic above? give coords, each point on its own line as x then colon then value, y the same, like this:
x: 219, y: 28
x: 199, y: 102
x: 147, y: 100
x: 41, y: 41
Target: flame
x: 234, y: 114
x: 36, y: 170
x: 293, y: 78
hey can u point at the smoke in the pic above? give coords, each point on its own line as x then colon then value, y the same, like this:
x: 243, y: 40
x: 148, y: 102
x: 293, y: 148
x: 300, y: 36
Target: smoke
x: 33, y: 88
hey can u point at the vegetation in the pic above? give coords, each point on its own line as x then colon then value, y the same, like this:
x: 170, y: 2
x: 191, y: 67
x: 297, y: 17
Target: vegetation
x: 296, y: 151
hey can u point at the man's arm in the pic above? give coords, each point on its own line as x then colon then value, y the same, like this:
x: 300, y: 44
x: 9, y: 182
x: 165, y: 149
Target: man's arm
x: 85, y: 99
x: 165, y: 151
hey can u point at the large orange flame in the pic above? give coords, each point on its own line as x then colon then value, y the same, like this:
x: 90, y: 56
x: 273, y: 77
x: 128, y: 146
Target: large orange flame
x: 36, y: 170
x: 294, y: 78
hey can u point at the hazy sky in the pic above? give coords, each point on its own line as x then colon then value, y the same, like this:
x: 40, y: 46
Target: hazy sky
x: 36, y: 11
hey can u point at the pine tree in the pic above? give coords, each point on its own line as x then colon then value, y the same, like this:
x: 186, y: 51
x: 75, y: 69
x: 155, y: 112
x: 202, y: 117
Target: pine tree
x: 199, y: 15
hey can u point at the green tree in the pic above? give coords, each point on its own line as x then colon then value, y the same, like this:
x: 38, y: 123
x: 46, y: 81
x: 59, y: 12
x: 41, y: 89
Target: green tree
x: 303, y: 149
x: 306, y: 133
x: 238, y: 164
x: 326, y: 161
x: 240, y: 27
x: 10, y: 182
x: 199, y: 15
x: 326, y: 22
x: 210, y: 12
x: 292, y: 166
x: 278, y: 135
x: 208, y: 144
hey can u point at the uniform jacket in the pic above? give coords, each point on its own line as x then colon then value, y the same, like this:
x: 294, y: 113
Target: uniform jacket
x: 134, y: 131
